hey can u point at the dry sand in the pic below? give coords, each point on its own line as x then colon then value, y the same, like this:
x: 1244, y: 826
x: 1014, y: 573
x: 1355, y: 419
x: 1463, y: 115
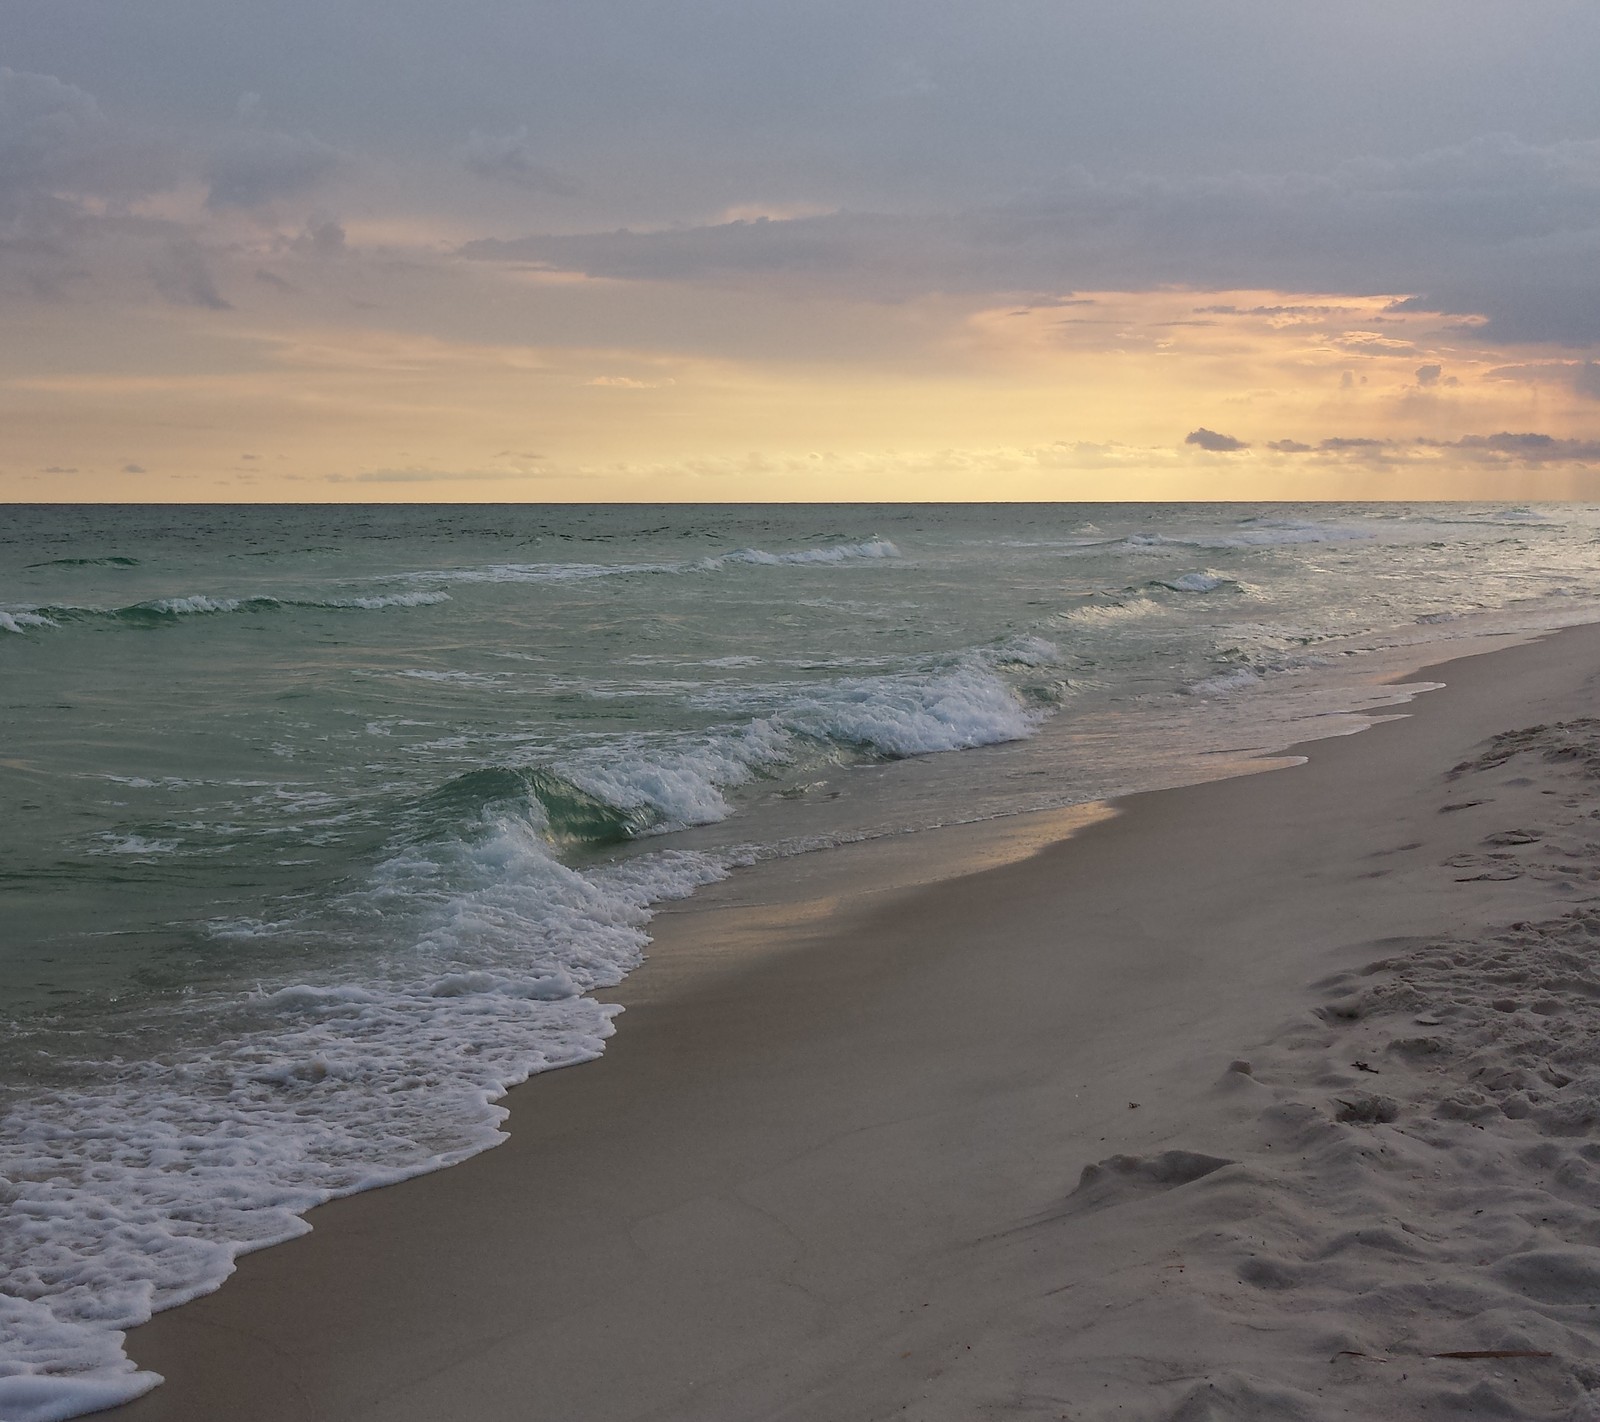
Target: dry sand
x: 975, y: 1147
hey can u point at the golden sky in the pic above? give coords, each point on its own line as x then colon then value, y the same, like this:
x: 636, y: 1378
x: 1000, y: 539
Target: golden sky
x: 533, y: 257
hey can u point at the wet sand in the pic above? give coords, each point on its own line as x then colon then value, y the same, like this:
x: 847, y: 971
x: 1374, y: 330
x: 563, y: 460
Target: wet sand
x: 832, y: 1165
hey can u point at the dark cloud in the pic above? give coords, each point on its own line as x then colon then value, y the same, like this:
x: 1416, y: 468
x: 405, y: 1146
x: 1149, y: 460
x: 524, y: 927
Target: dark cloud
x: 1216, y: 443
x: 48, y: 131
x: 1504, y: 448
x: 323, y: 237
x: 258, y: 166
x: 1533, y: 448
x: 57, y: 148
x: 1582, y: 376
x: 1492, y: 226
x: 827, y: 246
x: 507, y: 158
x: 1429, y: 375
x: 183, y: 276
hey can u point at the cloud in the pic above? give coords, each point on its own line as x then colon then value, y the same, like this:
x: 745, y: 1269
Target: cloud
x: 47, y: 131
x: 322, y: 237
x: 1429, y: 375
x: 57, y: 148
x: 1505, y: 448
x: 507, y: 158
x: 1583, y: 376
x: 1493, y: 226
x: 1216, y: 443
x: 419, y: 475
x: 257, y: 166
x: 1533, y: 448
x: 182, y: 275
x: 1316, y: 312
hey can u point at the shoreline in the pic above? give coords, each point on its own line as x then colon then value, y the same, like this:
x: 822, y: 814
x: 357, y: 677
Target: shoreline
x: 805, y: 1154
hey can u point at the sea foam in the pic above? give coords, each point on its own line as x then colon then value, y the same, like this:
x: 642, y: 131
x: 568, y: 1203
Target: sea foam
x: 138, y: 1193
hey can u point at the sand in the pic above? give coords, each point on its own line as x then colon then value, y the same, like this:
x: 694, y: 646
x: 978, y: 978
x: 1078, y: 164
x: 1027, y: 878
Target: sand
x: 1251, y: 1100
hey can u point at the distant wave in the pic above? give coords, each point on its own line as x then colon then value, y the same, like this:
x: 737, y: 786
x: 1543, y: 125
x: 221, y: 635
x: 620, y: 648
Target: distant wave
x: 111, y: 562
x: 872, y: 548
x: 1251, y: 533
x: 160, y: 610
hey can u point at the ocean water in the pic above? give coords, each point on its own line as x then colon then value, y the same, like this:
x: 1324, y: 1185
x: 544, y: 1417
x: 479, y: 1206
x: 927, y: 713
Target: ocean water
x: 322, y: 826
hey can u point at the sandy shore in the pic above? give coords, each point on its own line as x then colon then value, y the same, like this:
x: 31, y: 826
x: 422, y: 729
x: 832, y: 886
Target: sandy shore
x: 833, y: 1166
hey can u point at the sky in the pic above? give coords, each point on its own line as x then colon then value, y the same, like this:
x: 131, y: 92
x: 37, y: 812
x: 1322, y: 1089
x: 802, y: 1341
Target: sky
x: 818, y: 249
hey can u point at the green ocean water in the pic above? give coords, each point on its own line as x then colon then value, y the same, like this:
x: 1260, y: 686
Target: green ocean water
x: 324, y: 824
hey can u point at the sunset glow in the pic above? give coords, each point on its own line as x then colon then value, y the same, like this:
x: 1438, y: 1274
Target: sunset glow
x: 256, y: 305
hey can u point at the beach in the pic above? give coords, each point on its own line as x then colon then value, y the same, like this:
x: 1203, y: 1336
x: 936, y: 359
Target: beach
x: 1060, y: 1136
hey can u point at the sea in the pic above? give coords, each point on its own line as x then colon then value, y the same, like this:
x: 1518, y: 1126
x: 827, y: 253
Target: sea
x: 320, y: 827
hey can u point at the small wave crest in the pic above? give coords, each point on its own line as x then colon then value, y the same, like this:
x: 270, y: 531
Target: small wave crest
x: 1099, y: 614
x: 871, y: 549
x: 1205, y: 582
x: 21, y: 619
x: 1251, y: 533
x: 1238, y: 679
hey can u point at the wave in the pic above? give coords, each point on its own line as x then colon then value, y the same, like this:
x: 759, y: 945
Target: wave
x: 1205, y: 582
x: 1264, y: 533
x: 163, y: 610
x: 647, y: 784
x: 20, y: 620
x: 138, y: 1193
x: 871, y: 549
x: 110, y: 562
x: 1236, y: 680
x: 1099, y: 614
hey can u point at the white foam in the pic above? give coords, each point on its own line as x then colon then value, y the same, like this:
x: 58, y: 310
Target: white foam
x: 461, y: 678
x: 110, y: 843
x: 139, y: 1192
x: 1196, y: 582
x: 188, y: 606
x: 907, y: 715
x: 872, y: 548
x: 408, y: 599
x: 1225, y: 682
x: 19, y: 620
x: 953, y: 707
